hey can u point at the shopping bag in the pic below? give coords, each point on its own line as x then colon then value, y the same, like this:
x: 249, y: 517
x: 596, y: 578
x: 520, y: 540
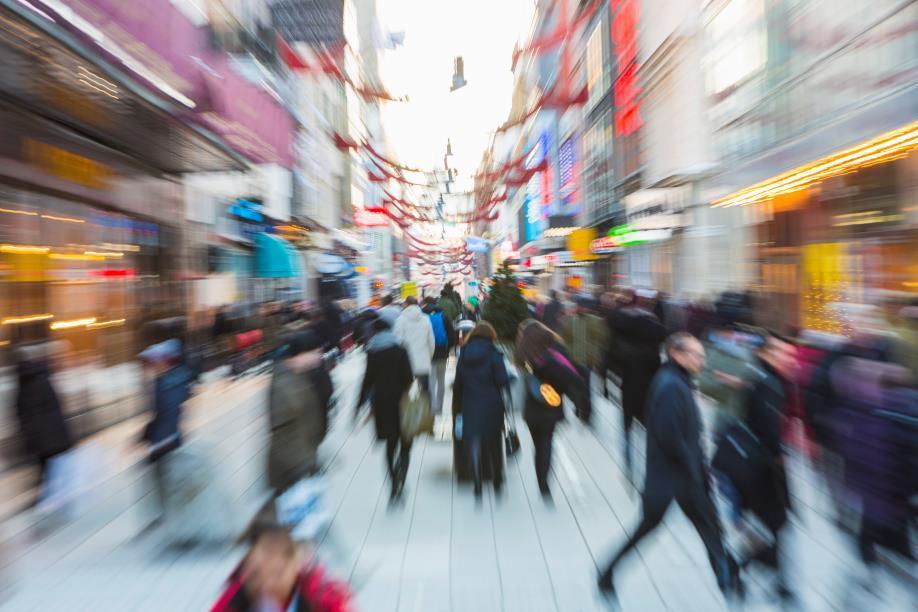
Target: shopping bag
x: 70, y: 479
x: 511, y: 438
x: 416, y: 417
x: 301, y: 508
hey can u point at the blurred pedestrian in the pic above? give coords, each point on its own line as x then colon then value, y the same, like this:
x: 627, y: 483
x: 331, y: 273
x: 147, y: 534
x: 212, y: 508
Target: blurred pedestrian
x: 298, y: 416
x: 639, y: 335
x: 170, y: 383
x: 388, y: 376
x: 551, y: 375
x: 41, y: 419
x: 749, y: 462
x: 553, y: 312
x: 730, y: 353
x: 676, y: 467
x: 478, y: 397
x: 450, y: 303
x: 415, y: 332
x: 276, y: 575
x: 586, y: 336
x: 389, y: 310
x: 445, y: 339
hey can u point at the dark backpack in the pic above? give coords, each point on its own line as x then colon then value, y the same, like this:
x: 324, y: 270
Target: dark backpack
x: 439, y: 329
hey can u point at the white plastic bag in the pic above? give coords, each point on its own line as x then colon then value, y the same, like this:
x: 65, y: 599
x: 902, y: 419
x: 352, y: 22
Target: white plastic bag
x: 69, y: 479
x: 301, y: 507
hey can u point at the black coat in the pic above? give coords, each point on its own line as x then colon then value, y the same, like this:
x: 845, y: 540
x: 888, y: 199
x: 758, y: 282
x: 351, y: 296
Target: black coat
x: 41, y: 419
x: 481, y: 378
x: 675, y: 461
x: 764, y: 409
x: 551, y: 316
x: 639, y: 335
x: 387, y: 377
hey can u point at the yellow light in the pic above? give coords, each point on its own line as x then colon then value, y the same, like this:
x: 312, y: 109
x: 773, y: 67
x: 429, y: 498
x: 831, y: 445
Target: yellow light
x: 14, y: 211
x: 104, y: 324
x: 76, y: 257
x: 109, y: 254
x: 16, y: 249
x: 131, y: 248
x: 884, y: 148
x: 25, y: 319
x: 73, y: 323
x: 65, y: 219
x: 4, y: 342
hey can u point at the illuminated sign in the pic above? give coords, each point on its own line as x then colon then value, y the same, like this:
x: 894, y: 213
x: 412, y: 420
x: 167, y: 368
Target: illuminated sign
x: 605, y: 245
x: 67, y: 165
x: 567, y: 172
x: 369, y: 218
x: 626, y: 89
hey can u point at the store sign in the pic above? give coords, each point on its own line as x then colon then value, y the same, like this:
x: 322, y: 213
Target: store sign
x: 568, y: 173
x: 67, y: 165
x: 545, y: 177
x: 605, y: 245
x: 626, y: 89
x: 651, y: 202
x: 578, y: 243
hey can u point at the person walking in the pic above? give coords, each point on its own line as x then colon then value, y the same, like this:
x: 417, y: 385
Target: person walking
x: 551, y: 375
x: 445, y: 339
x: 450, y: 303
x: 586, y: 335
x: 389, y: 310
x: 553, y: 312
x: 675, y: 463
x: 297, y: 412
x: 41, y: 420
x: 415, y: 332
x: 478, y: 397
x: 639, y: 335
x: 388, y: 376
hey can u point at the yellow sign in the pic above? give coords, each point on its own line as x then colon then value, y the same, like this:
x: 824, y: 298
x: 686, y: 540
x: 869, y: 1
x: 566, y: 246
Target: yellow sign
x: 67, y: 165
x: 578, y: 243
x: 409, y: 288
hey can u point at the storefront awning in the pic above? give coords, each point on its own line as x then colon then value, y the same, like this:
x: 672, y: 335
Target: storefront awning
x: 276, y: 258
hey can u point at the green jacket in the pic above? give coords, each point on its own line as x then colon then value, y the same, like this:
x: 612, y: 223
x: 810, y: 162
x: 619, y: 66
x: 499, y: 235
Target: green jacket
x: 586, y: 336
x: 735, y: 361
x: 449, y: 306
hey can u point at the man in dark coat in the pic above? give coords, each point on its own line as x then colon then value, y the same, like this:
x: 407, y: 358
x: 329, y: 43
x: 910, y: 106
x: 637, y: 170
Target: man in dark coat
x: 553, y: 313
x: 41, y: 419
x: 388, y: 376
x: 478, y: 395
x: 639, y: 335
x: 441, y: 353
x: 676, y: 468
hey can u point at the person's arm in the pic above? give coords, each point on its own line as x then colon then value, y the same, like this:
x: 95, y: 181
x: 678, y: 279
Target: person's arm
x: 458, y: 387
x: 452, y: 338
x: 369, y: 381
x: 324, y: 386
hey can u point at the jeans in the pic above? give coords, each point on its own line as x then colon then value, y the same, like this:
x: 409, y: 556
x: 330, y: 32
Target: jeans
x: 437, y: 385
x: 542, y: 436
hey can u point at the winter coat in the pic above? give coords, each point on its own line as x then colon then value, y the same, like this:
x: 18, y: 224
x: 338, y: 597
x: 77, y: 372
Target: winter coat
x: 452, y: 338
x: 170, y: 391
x: 388, y: 376
x: 675, y: 460
x: 639, y: 334
x: 481, y: 379
x: 551, y: 315
x: 415, y: 332
x: 450, y: 306
x: 733, y: 359
x: 586, y: 335
x: 557, y: 369
x: 315, y: 592
x: 41, y: 419
x: 390, y: 314
x: 298, y: 420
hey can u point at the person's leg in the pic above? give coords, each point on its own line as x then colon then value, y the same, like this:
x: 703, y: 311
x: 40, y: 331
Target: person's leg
x: 439, y: 377
x: 495, y: 454
x: 391, y: 448
x: 475, y: 463
x: 627, y: 420
x: 698, y: 507
x: 652, y: 514
x: 404, y: 458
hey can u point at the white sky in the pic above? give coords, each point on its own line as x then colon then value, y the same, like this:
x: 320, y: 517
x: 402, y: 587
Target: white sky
x: 483, y: 32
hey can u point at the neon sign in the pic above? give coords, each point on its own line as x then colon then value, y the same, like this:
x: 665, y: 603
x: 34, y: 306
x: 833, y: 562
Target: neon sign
x: 626, y: 89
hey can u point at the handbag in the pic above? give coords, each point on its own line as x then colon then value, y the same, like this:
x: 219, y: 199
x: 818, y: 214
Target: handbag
x: 511, y: 438
x: 543, y: 394
x: 414, y: 412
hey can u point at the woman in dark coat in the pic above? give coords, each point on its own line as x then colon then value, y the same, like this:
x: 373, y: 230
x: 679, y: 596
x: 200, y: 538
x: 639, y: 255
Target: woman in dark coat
x: 41, y: 419
x: 388, y: 376
x: 543, y: 353
x: 481, y: 380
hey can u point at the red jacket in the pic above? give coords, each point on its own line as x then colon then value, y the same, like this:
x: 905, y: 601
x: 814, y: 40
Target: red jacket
x: 314, y: 593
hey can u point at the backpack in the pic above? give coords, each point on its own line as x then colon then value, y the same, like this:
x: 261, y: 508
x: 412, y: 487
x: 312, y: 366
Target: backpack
x: 439, y: 329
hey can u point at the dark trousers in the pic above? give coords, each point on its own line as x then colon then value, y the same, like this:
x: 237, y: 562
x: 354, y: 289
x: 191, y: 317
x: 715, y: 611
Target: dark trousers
x: 697, y: 505
x: 398, y: 467
x: 487, y: 458
x: 542, y: 435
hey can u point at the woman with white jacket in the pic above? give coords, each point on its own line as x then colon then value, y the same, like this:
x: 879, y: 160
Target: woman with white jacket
x: 415, y: 334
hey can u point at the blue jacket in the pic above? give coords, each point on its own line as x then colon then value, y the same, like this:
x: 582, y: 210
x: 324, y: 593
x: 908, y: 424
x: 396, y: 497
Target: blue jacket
x: 170, y: 391
x: 481, y: 378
